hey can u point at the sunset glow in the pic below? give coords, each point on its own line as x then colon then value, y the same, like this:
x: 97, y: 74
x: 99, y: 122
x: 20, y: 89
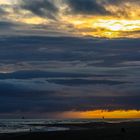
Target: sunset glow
x: 105, y: 27
x: 118, y: 114
x: 70, y: 58
x: 117, y: 21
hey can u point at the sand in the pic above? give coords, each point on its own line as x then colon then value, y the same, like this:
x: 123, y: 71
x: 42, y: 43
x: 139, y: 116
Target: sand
x: 89, y: 131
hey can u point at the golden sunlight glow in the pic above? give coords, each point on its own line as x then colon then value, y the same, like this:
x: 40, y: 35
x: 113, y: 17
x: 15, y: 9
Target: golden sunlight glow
x: 105, y: 27
x: 127, y: 9
x: 34, y: 20
x: 8, y: 2
x: 118, y: 25
x: 100, y: 113
x: 122, y: 22
x: 4, y: 2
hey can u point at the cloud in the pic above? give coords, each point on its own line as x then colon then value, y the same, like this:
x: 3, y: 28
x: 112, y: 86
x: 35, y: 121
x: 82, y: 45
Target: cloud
x: 89, y: 7
x: 54, y: 73
x: 43, y: 8
x: 79, y: 82
x: 4, y: 25
x: 96, y: 18
x: 31, y: 74
x: 2, y: 11
x: 120, y: 1
x: 122, y: 8
x: 50, y: 55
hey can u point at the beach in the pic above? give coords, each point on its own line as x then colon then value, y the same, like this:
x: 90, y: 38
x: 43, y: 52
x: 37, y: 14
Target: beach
x: 85, y: 131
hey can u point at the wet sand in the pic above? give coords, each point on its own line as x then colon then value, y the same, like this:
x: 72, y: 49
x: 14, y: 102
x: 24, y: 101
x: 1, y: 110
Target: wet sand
x: 89, y: 131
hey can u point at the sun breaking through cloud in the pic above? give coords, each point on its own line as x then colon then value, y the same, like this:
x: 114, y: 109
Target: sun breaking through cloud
x: 80, y: 58
x: 95, y: 18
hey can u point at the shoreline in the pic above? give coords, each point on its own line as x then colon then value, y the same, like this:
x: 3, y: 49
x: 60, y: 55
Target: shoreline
x: 88, y: 131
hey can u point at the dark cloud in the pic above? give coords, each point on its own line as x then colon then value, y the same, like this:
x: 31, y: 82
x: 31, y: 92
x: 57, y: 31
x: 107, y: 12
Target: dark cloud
x: 41, y: 102
x: 77, y: 82
x: 2, y: 11
x: 43, y: 8
x: 50, y: 74
x: 47, y: 8
x: 6, y: 24
x: 120, y: 1
x: 30, y: 74
x: 90, y: 7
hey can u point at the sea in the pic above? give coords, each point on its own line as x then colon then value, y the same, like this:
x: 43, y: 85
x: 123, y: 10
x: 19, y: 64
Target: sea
x: 47, y: 125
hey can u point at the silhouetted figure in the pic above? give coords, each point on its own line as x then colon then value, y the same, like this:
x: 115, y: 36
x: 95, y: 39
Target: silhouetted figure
x: 23, y: 117
x: 123, y: 131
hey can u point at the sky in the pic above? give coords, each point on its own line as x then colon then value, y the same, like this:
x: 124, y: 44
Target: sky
x: 69, y: 58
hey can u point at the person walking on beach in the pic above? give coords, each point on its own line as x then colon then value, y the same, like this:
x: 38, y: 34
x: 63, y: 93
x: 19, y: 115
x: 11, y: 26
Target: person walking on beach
x: 123, y: 133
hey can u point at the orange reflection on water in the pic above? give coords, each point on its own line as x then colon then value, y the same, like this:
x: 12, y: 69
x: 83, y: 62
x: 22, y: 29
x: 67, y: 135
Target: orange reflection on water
x: 102, y: 113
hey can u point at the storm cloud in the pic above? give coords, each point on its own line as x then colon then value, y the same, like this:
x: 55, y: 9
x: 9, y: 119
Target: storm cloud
x: 57, y: 74
x: 65, y: 55
x: 87, y: 7
x: 45, y: 8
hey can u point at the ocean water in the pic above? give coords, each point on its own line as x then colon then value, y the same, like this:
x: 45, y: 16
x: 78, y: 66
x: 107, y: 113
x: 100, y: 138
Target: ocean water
x: 40, y: 125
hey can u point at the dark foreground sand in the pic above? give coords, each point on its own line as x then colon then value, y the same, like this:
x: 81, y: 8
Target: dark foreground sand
x: 91, y: 131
